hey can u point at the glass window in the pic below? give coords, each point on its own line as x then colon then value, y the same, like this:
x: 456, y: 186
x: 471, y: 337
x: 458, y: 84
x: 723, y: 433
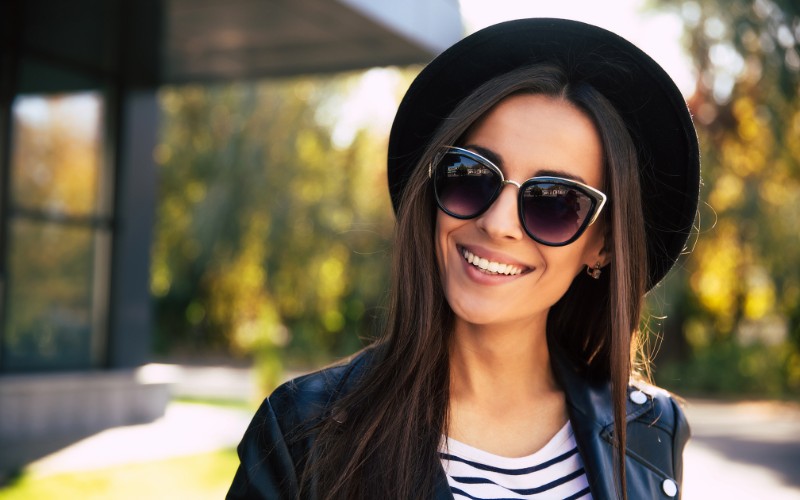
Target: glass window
x: 57, y: 153
x: 48, y: 322
x: 58, y: 233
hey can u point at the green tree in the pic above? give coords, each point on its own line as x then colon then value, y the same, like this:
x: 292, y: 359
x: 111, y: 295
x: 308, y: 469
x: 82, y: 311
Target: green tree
x: 270, y: 239
x: 742, y: 282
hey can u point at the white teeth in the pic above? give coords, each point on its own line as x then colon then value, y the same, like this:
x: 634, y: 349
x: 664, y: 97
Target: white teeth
x: 490, y: 266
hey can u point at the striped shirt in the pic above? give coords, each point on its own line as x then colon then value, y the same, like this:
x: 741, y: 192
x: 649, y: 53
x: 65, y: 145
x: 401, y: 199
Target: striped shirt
x: 554, y: 472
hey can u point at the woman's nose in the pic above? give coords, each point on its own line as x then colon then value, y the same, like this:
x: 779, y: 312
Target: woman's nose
x: 501, y: 220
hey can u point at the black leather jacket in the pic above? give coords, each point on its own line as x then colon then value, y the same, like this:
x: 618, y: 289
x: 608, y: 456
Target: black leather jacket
x: 656, y: 433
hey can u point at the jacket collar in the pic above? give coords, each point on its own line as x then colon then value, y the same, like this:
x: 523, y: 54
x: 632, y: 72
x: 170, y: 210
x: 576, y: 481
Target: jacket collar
x: 589, y: 401
x: 591, y: 412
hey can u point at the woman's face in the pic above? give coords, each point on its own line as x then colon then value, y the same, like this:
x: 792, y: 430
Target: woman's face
x: 525, y: 135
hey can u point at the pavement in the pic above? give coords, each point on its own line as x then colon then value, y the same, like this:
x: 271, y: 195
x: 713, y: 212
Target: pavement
x: 742, y: 450
x: 738, y: 450
x: 185, y: 429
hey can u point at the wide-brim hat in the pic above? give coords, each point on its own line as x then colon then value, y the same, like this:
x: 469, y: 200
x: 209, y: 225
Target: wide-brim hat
x: 646, y: 97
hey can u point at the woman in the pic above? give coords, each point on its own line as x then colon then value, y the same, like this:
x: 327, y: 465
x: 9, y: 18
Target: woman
x: 545, y: 175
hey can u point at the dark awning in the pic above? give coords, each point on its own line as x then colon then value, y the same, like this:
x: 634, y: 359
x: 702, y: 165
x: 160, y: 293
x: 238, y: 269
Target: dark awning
x: 214, y: 40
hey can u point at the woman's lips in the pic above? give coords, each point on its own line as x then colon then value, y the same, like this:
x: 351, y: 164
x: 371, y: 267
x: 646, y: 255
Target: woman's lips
x: 489, y: 265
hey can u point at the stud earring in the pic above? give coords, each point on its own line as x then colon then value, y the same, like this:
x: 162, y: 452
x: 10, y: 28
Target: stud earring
x: 595, y: 271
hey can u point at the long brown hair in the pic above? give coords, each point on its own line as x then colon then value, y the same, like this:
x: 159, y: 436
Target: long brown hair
x: 383, y: 437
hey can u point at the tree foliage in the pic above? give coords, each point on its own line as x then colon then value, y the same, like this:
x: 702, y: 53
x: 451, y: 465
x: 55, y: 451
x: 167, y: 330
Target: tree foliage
x: 270, y: 240
x: 742, y: 283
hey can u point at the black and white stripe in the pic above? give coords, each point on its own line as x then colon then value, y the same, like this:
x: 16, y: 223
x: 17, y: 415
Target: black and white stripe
x: 554, y: 472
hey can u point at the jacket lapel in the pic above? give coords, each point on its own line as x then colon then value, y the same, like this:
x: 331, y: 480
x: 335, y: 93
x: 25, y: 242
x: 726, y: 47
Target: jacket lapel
x: 442, y: 490
x: 590, y: 409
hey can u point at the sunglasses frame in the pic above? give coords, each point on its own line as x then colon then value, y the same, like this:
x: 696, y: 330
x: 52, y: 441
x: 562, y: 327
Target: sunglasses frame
x: 597, y: 197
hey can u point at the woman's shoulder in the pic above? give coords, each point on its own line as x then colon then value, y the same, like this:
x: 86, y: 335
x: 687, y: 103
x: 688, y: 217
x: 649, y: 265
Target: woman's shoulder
x: 306, y: 398
x: 656, y: 406
x: 657, y: 429
x: 276, y: 444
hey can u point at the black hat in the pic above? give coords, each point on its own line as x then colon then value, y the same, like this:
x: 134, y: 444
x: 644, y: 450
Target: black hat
x: 641, y: 91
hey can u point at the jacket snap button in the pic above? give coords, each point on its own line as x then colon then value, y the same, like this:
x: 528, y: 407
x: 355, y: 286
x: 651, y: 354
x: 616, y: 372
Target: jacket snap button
x: 638, y: 397
x: 670, y: 487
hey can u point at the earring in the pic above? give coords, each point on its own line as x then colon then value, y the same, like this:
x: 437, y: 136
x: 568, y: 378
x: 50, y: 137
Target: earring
x: 595, y: 271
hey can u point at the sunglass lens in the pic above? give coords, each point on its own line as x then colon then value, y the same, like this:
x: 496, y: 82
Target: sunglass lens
x: 464, y: 187
x: 554, y: 213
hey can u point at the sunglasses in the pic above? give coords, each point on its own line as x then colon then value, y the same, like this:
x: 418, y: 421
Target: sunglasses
x: 554, y: 211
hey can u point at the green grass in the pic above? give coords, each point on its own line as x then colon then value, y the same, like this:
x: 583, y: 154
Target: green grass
x: 238, y: 404
x: 193, y: 477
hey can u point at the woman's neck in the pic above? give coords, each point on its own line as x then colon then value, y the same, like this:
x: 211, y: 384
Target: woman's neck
x: 503, y: 396
x: 511, y: 359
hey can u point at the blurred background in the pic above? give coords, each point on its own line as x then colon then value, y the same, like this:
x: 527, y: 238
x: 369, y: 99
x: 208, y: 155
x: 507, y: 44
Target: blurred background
x: 193, y: 207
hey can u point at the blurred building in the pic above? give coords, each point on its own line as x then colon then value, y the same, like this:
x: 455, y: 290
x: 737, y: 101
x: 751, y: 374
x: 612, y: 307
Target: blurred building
x: 78, y: 125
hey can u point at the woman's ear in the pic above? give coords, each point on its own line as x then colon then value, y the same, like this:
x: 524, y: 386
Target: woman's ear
x: 599, y: 252
x: 604, y: 258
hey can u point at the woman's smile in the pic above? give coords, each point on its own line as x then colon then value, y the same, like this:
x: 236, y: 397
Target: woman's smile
x: 485, y: 263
